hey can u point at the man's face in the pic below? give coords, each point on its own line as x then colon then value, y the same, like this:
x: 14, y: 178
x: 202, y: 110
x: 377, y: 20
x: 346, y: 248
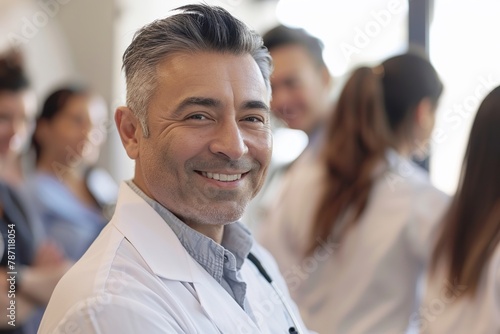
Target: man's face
x: 300, y: 88
x: 12, y: 118
x: 210, y: 139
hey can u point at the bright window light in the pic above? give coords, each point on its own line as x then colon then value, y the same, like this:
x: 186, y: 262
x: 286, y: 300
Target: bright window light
x: 354, y: 32
x: 465, y: 52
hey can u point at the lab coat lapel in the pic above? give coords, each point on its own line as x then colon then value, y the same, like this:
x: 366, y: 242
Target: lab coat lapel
x: 167, y: 258
x: 227, y: 315
x: 151, y: 236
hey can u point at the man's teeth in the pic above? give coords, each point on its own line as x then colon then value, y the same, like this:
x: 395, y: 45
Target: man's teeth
x: 222, y: 177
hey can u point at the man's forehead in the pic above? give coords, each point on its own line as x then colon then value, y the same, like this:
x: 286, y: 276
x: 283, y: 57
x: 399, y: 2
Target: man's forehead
x: 203, y: 71
x: 202, y: 61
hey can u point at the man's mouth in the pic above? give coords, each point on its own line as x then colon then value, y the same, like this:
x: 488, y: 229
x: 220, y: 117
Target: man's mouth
x: 222, y: 177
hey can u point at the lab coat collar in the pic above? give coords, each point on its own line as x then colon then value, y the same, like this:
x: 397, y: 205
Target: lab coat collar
x: 403, y: 165
x: 162, y: 251
x: 152, y: 237
x: 394, y: 158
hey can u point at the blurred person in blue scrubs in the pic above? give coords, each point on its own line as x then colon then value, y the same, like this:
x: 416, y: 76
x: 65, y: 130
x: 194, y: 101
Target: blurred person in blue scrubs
x: 71, y: 213
x: 29, y: 269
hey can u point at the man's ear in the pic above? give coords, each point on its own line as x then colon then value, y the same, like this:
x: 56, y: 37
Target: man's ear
x: 129, y: 129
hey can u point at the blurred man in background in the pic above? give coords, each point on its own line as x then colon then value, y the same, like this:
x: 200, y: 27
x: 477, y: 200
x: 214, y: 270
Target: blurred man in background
x: 301, y: 98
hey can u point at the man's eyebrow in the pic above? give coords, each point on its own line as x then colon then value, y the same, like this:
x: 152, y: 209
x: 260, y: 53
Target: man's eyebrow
x: 254, y: 104
x: 195, y: 101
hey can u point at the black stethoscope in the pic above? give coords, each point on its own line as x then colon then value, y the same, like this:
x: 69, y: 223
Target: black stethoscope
x: 295, y: 328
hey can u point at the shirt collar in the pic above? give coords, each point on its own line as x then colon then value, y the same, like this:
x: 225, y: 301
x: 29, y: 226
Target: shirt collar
x: 236, y: 241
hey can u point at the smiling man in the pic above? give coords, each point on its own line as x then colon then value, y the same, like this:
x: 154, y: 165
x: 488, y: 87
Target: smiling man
x: 301, y: 81
x: 174, y: 259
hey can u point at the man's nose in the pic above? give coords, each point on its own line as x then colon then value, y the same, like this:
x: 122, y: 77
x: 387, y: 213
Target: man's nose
x: 229, y: 141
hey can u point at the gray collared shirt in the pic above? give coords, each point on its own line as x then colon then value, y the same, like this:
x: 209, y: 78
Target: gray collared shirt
x: 223, y: 262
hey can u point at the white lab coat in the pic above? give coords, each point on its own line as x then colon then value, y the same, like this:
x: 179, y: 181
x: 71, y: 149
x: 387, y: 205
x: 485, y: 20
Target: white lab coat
x: 138, y: 278
x: 364, y: 284
x: 457, y: 312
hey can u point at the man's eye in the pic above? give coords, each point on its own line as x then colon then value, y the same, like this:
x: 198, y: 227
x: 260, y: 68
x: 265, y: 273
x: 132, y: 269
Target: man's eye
x: 254, y: 119
x: 197, y: 117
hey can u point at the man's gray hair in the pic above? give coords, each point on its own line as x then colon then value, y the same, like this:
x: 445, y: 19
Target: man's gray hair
x: 197, y: 28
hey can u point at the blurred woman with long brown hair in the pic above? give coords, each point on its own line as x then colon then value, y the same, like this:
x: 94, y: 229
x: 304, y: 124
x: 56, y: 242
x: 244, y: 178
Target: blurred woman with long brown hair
x: 463, y: 285
x: 351, y: 235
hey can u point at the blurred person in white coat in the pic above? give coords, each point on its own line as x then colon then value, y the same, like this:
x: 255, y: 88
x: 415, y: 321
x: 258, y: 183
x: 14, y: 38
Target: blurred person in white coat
x: 351, y: 233
x: 174, y: 258
x: 301, y: 98
x: 463, y: 283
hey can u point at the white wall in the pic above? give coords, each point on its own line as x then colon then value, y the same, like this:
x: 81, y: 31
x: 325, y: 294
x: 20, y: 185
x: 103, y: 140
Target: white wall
x: 88, y: 27
x: 465, y: 50
x: 37, y: 32
x: 63, y: 41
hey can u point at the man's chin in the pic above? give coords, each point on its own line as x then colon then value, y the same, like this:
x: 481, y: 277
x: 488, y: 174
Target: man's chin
x: 224, y: 215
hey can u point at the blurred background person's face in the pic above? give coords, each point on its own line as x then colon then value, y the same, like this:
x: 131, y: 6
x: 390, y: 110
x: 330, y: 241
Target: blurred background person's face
x: 64, y: 138
x: 300, y: 88
x: 12, y: 119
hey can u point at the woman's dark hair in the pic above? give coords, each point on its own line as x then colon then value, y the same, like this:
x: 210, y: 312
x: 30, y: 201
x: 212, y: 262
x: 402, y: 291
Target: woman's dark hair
x: 407, y: 79
x: 471, y: 229
x: 52, y: 107
x: 375, y: 107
